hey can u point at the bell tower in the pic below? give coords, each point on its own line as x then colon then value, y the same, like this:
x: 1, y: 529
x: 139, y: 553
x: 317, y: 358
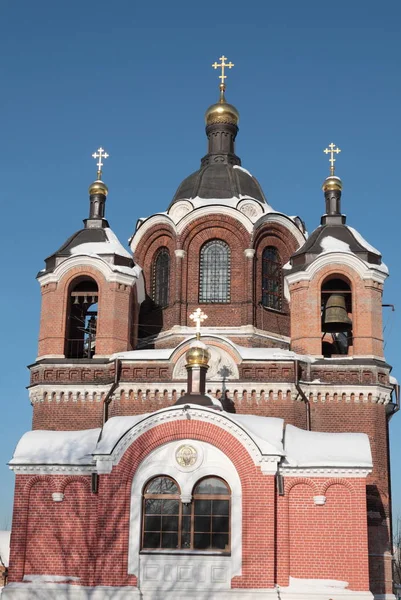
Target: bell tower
x: 90, y: 305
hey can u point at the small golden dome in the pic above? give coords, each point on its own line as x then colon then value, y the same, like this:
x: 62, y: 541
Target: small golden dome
x: 222, y: 112
x: 198, y: 355
x: 332, y: 182
x: 98, y: 187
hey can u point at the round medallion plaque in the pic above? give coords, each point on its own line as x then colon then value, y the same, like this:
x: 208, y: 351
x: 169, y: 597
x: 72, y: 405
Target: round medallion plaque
x: 186, y: 456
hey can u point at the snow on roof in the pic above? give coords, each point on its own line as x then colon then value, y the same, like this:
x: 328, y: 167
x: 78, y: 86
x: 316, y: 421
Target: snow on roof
x: 361, y: 240
x: 316, y: 449
x: 267, y: 432
x: 4, y: 547
x: 112, y: 246
x: 244, y: 352
x: 56, y: 447
x: 242, y: 169
x: 393, y: 380
x: 114, y: 429
x: 332, y: 244
x: 301, y: 448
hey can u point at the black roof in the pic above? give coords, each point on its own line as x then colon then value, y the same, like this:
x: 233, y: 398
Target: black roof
x: 313, y: 246
x: 219, y: 181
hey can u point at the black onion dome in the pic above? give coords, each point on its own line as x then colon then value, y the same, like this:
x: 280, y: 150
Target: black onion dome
x: 219, y: 181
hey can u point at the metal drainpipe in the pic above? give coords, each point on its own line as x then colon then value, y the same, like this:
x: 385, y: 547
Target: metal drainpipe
x: 109, y: 395
x: 303, y: 396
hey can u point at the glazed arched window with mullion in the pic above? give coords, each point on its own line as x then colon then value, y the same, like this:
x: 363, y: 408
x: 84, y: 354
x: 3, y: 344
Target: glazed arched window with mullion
x: 214, y: 272
x: 202, y: 524
x: 272, y: 279
x: 161, y: 277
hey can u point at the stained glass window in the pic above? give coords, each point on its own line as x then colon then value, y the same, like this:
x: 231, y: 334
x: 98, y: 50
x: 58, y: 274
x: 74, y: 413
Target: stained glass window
x: 272, y: 276
x: 214, y: 272
x: 161, y: 276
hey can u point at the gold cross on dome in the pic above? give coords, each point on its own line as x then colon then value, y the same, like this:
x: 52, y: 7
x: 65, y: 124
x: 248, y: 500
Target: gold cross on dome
x: 198, y: 316
x: 222, y: 66
x: 100, y: 154
x: 332, y: 150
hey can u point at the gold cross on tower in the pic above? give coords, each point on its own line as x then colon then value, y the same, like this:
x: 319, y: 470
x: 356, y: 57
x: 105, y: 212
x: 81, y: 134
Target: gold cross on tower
x: 332, y: 150
x: 198, y: 316
x: 222, y: 65
x: 100, y: 154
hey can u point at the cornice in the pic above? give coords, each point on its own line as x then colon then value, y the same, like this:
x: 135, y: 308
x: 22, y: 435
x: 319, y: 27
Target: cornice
x: 53, y: 469
x: 107, y: 270
x: 364, y: 270
x: 343, y: 472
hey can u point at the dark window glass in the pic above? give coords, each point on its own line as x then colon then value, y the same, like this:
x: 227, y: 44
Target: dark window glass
x: 272, y: 276
x: 202, y: 525
x: 214, y: 272
x: 161, y: 277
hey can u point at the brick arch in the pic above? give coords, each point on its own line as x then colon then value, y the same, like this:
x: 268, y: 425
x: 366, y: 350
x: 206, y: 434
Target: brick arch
x: 115, y: 491
x: 366, y: 311
x: 69, y: 480
x: 227, y: 229
x: 337, y: 481
x: 301, y: 481
x: 210, y: 224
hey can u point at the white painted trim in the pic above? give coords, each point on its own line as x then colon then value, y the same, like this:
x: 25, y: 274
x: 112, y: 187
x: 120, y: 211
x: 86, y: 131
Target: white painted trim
x: 267, y: 461
x: 148, y: 224
x: 79, y: 260
x: 162, y: 462
x: 363, y: 269
x: 53, y: 469
x: 329, y: 472
x: 285, y: 221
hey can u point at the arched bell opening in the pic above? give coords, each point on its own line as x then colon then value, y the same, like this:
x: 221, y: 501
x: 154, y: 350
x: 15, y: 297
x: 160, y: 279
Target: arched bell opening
x: 82, y: 314
x: 336, y: 307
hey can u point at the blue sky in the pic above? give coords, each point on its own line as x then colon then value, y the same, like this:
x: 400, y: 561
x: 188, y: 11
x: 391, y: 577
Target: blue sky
x: 136, y: 78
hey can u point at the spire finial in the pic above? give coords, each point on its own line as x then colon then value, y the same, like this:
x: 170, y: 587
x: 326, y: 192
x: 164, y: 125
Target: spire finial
x: 332, y: 149
x: 222, y: 65
x: 198, y: 316
x: 100, y: 154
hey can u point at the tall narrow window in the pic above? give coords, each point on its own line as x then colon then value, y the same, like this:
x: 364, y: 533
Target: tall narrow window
x: 161, y: 276
x: 272, y: 277
x: 204, y: 524
x: 82, y: 319
x: 214, y: 272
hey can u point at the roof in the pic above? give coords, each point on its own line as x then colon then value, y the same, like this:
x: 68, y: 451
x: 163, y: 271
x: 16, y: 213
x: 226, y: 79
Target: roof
x: 298, y: 447
x: 219, y: 180
x: 336, y: 237
x: 100, y: 241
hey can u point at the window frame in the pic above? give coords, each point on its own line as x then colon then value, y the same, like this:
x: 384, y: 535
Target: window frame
x: 207, y: 293
x: 269, y: 297
x: 195, y: 496
x: 157, y: 278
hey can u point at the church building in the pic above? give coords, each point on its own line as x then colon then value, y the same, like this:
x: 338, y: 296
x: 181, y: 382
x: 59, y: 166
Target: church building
x: 211, y: 406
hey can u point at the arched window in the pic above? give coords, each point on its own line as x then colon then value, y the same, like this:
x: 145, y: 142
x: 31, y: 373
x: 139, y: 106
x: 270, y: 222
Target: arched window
x: 82, y: 319
x: 214, y: 272
x: 272, y: 278
x: 161, y: 277
x: 203, y: 524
